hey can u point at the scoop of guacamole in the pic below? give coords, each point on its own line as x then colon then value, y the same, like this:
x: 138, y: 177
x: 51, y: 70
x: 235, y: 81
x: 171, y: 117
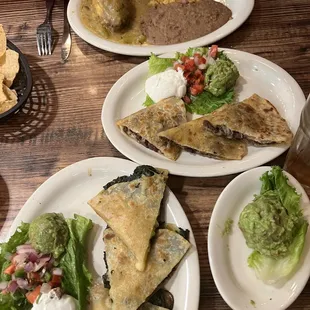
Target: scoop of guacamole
x: 49, y: 233
x: 267, y: 226
x: 221, y: 76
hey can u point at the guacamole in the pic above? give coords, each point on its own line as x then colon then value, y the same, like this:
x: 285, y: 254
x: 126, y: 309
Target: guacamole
x: 221, y: 76
x: 49, y: 233
x: 266, y: 225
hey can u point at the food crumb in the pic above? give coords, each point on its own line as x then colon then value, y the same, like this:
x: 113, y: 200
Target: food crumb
x: 90, y: 173
x: 227, y: 227
x: 253, y: 303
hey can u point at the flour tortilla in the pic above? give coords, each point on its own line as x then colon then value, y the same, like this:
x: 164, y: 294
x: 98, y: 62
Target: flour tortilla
x: 131, y: 209
x: 195, y: 138
x: 129, y: 287
x: 144, y: 125
x: 254, y: 119
x: 10, y: 67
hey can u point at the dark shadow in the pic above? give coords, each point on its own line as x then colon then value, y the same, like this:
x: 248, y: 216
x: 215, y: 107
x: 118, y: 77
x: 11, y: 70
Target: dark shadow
x: 38, y: 112
x: 4, y: 202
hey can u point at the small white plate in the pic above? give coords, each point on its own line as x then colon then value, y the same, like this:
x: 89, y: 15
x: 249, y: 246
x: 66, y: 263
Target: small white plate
x: 241, y: 9
x: 258, y: 75
x: 228, y: 255
x: 68, y: 192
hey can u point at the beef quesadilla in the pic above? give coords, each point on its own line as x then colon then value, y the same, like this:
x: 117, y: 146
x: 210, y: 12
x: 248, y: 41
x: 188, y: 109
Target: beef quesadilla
x: 144, y: 125
x: 130, y: 288
x: 130, y: 206
x: 254, y: 119
x: 195, y: 138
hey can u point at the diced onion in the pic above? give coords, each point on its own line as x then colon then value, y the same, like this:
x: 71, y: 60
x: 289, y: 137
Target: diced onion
x: 29, y: 267
x: 202, y: 66
x: 22, y: 283
x: 3, y: 285
x: 12, y: 287
x: 45, y: 288
x: 42, y: 261
x: 57, y: 271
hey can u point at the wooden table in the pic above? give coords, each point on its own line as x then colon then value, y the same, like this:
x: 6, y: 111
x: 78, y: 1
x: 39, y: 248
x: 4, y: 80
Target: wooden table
x: 61, y: 125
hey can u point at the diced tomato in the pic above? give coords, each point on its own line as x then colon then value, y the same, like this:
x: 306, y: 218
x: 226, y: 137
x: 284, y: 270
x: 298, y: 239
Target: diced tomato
x: 190, y: 65
x: 56, y: 280
x: 10, y: 270
x: 187, y: 74
x: 213, y: 51
x: 32, y: 296
x: 184, y: 58
x: 177, y: 66
x: 187, y: 99
x: 198, y: 73
x: 196, y: 89
x: 35, y: 277
x: 203, y: 60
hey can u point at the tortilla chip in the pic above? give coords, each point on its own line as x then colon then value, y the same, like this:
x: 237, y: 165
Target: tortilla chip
x: 2, y: 42
x: 10, y: 67
x: 254, y: 119
x: 3, y: 96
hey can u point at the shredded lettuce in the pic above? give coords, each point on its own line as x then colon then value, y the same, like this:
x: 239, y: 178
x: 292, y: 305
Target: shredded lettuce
x: 77, y: 278
x: 274, y: 269
x: 157, y: 64
x: 16, y: 301
x: 148, y: 101
x: 206, y: 102
x: 191, y: 51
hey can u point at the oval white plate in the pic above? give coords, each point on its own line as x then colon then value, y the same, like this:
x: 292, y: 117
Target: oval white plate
x: 228, y: 255
x: 68, y: 192
x: 241, y: 10
x: 258, y: 75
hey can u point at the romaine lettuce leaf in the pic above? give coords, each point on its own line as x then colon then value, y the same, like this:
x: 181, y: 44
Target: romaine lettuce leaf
x: 191, y: 51
x: 77, y: 279
x: 272, y: 271
x: 148, y: 101
x: 157, y: 64
x: 206, y: 102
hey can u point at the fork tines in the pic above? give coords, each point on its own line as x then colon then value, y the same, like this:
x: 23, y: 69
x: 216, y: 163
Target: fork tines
x: 44, y: 39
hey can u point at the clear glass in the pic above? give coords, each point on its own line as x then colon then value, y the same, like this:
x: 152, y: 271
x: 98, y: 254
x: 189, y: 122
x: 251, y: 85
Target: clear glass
x: 297, y: 162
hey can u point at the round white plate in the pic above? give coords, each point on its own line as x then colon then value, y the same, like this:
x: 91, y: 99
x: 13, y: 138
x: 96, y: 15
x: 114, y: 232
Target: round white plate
x: 228, y: 255
x: 258, y: 75
x: 241, y: 9
x: 68, y: 192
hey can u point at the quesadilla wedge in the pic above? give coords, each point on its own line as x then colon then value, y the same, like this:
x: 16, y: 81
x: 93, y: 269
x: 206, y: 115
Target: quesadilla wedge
x: 195, y: 138
x: 130, y: 288
x: 144, y: 125
x: 254, y: 119
x: 130, y: 206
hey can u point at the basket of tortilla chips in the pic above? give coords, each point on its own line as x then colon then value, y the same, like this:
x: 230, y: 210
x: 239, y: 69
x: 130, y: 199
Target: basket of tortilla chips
x: 15, y: 77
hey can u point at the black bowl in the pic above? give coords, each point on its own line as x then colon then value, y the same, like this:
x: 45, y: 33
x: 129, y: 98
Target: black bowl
x: 22, y: 83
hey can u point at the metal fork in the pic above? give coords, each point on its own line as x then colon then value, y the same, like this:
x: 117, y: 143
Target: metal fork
x: 44, y: 32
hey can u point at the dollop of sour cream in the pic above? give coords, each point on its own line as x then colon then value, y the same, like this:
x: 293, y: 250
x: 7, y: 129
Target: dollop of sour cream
x: 170, y: 83
x: 50, y: 301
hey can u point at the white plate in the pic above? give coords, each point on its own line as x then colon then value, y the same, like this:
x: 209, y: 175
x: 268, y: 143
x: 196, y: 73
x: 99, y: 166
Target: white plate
x: 241, y: 10
x: 258, y: 75
x: 68, y: 192
x: 228, y: 255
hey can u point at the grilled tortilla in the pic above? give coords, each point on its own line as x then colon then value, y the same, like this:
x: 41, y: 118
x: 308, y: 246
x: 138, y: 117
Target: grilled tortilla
x: 129, y: 288
x: 254, y: 119
x: 130, y: 206
x: 195, y: 138
x: 144, y: 125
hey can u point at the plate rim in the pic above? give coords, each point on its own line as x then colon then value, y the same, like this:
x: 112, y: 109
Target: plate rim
x: 131, y: 50
x: 194, y: 289
x: 182, y: 169
x: 212, y: 235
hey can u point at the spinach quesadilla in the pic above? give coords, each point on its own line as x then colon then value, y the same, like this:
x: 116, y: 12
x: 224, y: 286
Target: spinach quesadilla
x: 130, y: 206
x: 195, y: 138
x: 254, y: 119
x: 144, y: 125
x: 129, y: 288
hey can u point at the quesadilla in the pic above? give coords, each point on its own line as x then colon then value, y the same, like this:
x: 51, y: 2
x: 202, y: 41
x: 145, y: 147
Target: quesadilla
x: 144, y: 125
x: 195, y: 138
x: 130, y: 288
x: 130, y: 206
x: 254, y: 119
x: 10, y: 67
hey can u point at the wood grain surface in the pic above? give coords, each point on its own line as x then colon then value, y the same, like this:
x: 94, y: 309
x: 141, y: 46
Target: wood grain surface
x: 61, y: 125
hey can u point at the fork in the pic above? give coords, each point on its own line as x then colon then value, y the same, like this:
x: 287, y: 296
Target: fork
x: 44, y: 32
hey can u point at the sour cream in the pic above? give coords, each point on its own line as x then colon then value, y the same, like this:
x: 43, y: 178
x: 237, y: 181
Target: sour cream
x: 169, y: 83
x: 50, y: 301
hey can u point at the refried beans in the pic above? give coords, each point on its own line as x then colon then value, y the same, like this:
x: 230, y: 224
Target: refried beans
x: 179, y: 22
